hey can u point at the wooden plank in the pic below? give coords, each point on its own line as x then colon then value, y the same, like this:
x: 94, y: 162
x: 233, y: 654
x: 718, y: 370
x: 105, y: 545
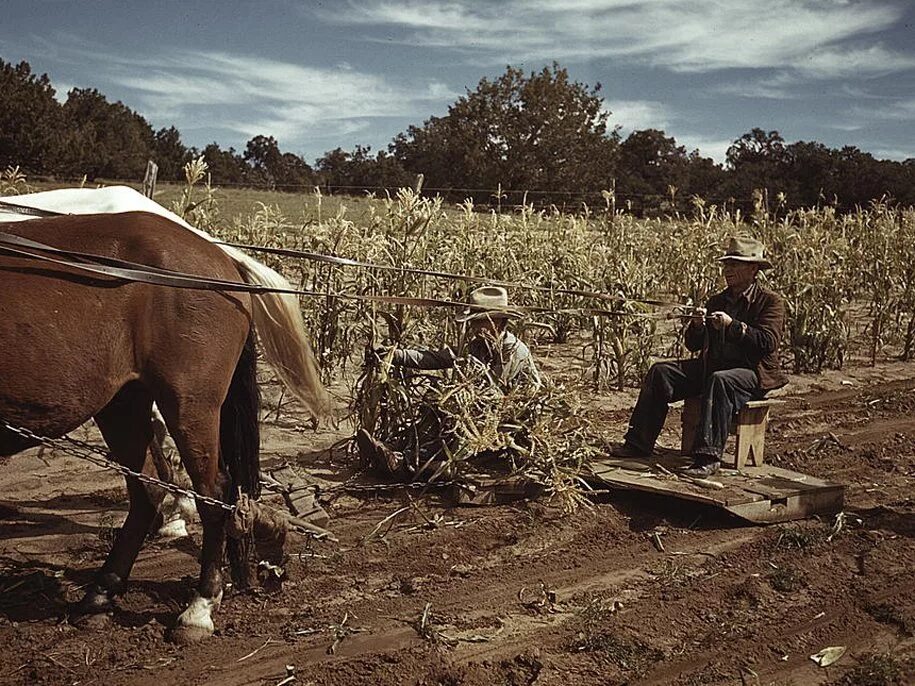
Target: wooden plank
x: 484, y: 490
x: 762, y: 494
x: 300, y: 496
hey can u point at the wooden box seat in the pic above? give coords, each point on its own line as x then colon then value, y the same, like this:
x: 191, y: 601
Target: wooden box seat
x: 749, y: 425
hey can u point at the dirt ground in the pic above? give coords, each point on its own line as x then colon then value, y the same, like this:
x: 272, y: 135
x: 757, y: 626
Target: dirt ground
x: 514, y: 594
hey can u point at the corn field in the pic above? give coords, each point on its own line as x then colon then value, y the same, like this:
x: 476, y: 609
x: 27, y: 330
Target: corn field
x: 848, y: 279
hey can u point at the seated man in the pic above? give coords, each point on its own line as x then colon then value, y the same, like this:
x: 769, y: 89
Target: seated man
x: 503, y: 359
x: 739, y: 343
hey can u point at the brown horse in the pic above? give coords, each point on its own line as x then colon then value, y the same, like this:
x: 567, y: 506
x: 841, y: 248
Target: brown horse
x: 75, y: 346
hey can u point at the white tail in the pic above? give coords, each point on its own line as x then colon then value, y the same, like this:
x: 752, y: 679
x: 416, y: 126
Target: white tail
x: 281, y: 331
x: 277, y: 317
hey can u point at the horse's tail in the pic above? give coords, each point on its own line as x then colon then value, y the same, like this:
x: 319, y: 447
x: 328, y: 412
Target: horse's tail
x: 239, y: 443
x: 281, y: 330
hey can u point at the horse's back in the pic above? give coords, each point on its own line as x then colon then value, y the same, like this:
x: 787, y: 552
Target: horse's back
x: 71, y: 340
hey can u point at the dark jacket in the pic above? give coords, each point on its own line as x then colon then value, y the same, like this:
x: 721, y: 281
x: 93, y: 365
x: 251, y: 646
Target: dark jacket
x: 752, y: 339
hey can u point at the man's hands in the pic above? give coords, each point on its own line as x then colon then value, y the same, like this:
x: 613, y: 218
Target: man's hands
x: 720, y: 320
x: 695, y: 317
x: 699, y: 316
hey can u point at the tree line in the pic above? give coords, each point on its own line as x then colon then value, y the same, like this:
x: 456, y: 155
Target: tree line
x: 541, y: 132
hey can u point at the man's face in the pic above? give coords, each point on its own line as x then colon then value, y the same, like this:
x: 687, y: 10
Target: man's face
x: 487, y: 328
x: 737, y: 274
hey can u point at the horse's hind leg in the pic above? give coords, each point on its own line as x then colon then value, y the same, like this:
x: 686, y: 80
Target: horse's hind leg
x: 127, y: 429
x: 170, y: 520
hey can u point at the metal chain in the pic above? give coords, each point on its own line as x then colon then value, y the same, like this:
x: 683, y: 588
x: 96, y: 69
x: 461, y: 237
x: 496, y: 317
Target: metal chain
x: 101, y: 458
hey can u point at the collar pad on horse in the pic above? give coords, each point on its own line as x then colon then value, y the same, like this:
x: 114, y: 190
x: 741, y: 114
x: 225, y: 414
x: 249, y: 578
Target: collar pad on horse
x: 14, y: 208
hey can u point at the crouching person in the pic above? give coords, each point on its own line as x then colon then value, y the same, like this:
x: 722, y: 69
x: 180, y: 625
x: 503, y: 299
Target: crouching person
x: 493, y: 355
x: 737, y: 335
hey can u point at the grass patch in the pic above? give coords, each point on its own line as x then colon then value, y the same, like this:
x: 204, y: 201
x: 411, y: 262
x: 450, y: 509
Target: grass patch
x: 597, y: 636
x: 875, y: 670
x: 787, y: 580
x: 800, y: 538
x: 891, y: 616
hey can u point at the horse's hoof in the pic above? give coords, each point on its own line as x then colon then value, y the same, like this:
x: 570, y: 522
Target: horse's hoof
x: 173, y: 529
x: 93, y: 604
x: 186, y: 635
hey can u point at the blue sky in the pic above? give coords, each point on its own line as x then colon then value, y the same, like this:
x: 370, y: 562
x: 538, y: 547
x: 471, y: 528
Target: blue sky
x: 317, y: 75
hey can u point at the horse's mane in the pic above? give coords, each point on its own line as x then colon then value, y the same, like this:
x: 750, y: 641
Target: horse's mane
x: 277, y: 317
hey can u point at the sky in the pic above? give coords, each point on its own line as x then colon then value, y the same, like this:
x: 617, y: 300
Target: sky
x: 320, y: 75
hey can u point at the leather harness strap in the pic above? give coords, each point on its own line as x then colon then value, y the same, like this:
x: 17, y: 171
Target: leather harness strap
x: 134, y: 272
x: 14, y: 208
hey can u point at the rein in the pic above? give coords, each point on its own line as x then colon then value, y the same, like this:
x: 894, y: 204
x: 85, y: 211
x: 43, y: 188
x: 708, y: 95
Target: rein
x: 134, y: 272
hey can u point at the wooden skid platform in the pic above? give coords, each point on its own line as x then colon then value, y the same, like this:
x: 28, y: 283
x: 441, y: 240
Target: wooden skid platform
x: 763, y: 495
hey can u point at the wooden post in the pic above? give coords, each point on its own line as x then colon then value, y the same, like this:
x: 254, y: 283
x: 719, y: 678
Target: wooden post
x: 149, y: 181
x: 689, y: 424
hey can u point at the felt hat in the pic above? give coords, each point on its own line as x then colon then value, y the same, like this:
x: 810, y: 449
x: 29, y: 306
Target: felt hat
x: 743, y: 249
x: 488, y: 302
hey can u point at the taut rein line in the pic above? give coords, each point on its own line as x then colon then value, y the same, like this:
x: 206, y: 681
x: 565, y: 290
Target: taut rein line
x: 134, y: 272
x: 348, y: 262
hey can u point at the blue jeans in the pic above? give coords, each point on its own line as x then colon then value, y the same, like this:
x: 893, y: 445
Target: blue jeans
x: 723, y: 395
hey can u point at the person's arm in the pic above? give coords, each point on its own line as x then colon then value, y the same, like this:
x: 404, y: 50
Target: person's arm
x: 764, y: 335
x: 424, y: 359
x: 523, y: 369
x: 694, y: 336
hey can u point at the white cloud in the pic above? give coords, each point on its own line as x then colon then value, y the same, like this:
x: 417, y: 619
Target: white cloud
x: 633, y: 115
x: 696, y: 36
x: 874, y: 60
x: 780, y: 86
x: 252, y: 95
x: 715, y: 148
x: 901, y: 110
x: 900, y: 155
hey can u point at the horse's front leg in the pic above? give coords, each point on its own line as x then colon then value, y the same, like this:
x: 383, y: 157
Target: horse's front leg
x: 127, y: 430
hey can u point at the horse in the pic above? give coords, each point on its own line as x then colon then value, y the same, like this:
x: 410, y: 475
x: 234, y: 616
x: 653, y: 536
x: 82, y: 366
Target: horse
x: 277, y: 316
x: 77, y: 346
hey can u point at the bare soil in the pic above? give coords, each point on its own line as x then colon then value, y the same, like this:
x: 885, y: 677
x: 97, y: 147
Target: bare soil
x: 514, y: 594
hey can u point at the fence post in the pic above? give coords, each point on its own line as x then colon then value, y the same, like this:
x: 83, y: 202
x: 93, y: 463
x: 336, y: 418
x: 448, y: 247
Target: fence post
x: 418, y: 184
x: 149, y: 181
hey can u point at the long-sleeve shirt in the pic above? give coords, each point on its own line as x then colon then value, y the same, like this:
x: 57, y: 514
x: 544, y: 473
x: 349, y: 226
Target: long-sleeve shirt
x: 752, y: 339
x: 508, y: 360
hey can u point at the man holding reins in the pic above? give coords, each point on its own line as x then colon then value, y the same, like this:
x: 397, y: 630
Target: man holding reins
x: 738, y: 334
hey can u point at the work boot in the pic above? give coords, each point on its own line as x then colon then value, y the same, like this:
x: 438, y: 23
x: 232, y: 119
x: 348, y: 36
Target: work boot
x: 702, y: 467
x: 627, y: 450
x: 377, y: 454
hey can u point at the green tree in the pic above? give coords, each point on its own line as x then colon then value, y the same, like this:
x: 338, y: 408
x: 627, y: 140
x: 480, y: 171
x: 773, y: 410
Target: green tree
x: 268, y: 165
x: 537, y: 131
x: 650, y: 164
x: 108, y: 139
x: 360, y: 170
x: 31, y: 120
x: 170, y: 154
x: 225, y: 166
x: 757, y: 159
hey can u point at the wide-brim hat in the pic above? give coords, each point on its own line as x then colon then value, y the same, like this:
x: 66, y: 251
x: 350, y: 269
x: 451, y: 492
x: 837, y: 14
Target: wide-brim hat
x: 488, y: 302
x: 742, y: 249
